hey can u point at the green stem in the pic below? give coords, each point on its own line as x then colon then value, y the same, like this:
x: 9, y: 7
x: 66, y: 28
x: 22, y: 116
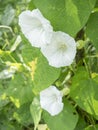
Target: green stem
x: 93, y: 56
x: 12, y: 58
x: 65, y: 91
x: 35, y: 127
x: 7, y: 27
x: 87, y: 67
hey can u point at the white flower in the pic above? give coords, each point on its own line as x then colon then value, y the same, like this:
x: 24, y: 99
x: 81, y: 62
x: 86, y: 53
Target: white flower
x: 51, y: 100
x: 36, y: 28
x: 61, y: 51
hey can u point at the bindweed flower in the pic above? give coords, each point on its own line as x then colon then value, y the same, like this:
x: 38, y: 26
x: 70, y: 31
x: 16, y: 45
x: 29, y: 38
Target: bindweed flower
x: 36, y: 28
x: 51, y: 100
x: 61, y: 51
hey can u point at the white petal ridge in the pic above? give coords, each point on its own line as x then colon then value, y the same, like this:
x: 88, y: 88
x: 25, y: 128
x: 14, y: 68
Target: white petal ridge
x: 51, y: 100
x: 36, y: 28
x: 61, y: 51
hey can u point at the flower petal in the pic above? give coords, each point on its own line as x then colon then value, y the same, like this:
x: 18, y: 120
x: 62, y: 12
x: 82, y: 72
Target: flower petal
x: 61, y: 51
x: 51, y: 100
x: 35, y: 27
x: 56, y: 108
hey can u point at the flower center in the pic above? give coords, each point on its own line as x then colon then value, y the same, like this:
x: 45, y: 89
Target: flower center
x: 62, y: 47
x: 36, y: 23
x: 39, y: 25
x: 56, y: 98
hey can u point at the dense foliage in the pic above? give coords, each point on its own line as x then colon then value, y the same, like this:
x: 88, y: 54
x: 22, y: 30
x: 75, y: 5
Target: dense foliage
x: 24, y: 71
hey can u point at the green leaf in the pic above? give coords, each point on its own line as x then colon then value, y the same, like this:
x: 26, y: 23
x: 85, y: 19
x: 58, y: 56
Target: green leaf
x: 29, y: 53
x: 96, y: 4
x: 8, y: 16
x: 31, y: 5
x: 20, y: 90
x: 7, y: 126
x: 44, y: 74
x: 95, y: 127
x: 6, y: 56
x: 6, y: 119
x: 36, y: 110
x: 22, y: 114
x: 66, y: 120
x: 84, y: 92
x: 81, y: 124
x: 92, y: 29
x: 3, y: 99
x: 66, y: 15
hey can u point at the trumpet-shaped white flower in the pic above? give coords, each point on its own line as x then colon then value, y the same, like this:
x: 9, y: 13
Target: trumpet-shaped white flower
x: 36, y: 28
x: 51, y: 100
x: 61, y: 51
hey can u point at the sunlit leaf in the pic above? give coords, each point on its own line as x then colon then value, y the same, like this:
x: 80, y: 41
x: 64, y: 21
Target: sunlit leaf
x: 66, y: 120
x: 66, y: 15
x: 35, y: 110
x: 44, y: 75
x: 84, y: 92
